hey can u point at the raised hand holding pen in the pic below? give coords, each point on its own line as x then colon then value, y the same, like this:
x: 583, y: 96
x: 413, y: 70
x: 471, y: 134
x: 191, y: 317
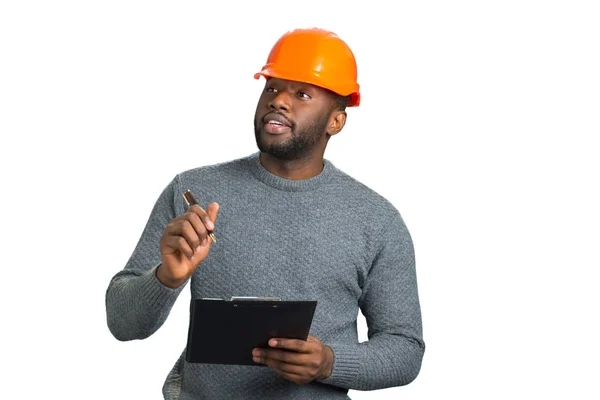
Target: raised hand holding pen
x: 185, y: 242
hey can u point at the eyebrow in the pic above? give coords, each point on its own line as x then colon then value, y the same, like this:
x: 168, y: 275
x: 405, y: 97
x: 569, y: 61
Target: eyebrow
x: 297, y: 86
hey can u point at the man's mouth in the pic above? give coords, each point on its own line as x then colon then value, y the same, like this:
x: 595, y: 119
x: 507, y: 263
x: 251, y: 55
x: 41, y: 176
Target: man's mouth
x: 276, y: 124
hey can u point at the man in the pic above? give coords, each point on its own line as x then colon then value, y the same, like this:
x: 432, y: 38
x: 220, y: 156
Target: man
x: 290, y: 225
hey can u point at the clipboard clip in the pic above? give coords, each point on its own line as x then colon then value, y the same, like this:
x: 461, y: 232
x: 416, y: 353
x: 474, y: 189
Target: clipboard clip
x: 253, y: 298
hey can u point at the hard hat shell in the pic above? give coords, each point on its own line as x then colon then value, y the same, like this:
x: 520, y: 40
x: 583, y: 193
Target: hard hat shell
x: 314, y: 56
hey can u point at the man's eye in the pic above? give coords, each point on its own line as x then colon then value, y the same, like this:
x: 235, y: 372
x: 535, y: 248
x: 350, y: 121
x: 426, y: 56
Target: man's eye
x: 271, y: 90
x: 303, y: 95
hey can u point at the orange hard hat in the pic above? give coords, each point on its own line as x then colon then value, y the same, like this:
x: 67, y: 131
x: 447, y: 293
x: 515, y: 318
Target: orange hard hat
x: 314, y: 56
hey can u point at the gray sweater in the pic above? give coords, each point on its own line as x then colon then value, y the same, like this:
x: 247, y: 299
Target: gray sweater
x: 328, y: 238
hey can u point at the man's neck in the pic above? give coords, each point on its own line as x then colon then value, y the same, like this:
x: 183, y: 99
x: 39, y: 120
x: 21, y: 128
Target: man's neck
x: 304, y: 168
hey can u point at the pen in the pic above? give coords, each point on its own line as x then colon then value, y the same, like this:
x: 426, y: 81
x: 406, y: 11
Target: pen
x: 190, y: 201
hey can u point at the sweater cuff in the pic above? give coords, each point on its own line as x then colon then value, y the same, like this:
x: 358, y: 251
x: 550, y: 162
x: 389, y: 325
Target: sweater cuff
x: 155, y: 293
x: 345, y: 366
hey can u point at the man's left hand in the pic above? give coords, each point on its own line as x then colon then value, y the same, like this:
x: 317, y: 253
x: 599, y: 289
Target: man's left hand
x: 297, y: 360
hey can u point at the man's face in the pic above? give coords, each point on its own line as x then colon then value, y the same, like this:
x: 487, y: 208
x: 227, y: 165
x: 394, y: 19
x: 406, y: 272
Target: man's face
x: 291, y: 119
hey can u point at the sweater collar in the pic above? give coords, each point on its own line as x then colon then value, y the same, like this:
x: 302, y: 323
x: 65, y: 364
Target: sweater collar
x: 289, y: 185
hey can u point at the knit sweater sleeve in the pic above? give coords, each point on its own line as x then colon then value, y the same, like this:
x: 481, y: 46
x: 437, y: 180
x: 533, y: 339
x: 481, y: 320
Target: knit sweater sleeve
x: 393, y: 352
x: 137, y: 303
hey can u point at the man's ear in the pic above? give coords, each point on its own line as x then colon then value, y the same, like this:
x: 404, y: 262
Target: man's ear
x: 336, y: 122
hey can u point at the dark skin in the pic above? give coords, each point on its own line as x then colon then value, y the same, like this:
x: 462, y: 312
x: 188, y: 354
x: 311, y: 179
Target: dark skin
x: 293, y: 124
x: 304, y: 106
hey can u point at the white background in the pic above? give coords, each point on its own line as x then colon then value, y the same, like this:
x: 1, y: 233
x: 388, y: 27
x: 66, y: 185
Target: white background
x: 478, y: 121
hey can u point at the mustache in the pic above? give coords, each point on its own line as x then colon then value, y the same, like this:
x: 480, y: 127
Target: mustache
x: 270, y: 115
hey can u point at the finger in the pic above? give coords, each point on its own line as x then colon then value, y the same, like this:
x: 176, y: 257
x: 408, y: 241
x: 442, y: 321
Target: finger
x: 298, y: 379
x: 198, y: 227
x: 194, y: 238
x: 183, y: 227
x: 294, y: 373
x: 300, y: 346
x: 291, y: 372
x: 291, y: 369
x: 206, y: 221
x: 281, y: 356
x: 173, y: 227
x: 178, y: 243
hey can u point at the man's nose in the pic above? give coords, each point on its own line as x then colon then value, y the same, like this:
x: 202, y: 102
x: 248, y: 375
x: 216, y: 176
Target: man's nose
x: 282, y: 101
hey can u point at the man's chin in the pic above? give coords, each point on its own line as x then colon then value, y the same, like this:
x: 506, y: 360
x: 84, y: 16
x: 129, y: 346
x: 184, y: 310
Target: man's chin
x: 275, y: 148
x: 282, y: 147
x: 279, y: 152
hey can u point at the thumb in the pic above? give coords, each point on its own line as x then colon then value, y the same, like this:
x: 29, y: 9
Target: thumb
x: 312, y: 339
x: 212, y: 210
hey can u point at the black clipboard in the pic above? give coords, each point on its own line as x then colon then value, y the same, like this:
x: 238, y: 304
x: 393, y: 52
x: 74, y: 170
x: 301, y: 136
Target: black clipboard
x: 226, y: 331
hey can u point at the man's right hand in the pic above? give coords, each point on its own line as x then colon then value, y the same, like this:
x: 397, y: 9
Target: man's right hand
x: 185, y: 244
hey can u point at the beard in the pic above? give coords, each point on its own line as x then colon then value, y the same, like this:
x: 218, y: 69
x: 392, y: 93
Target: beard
x: 300, y: 144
